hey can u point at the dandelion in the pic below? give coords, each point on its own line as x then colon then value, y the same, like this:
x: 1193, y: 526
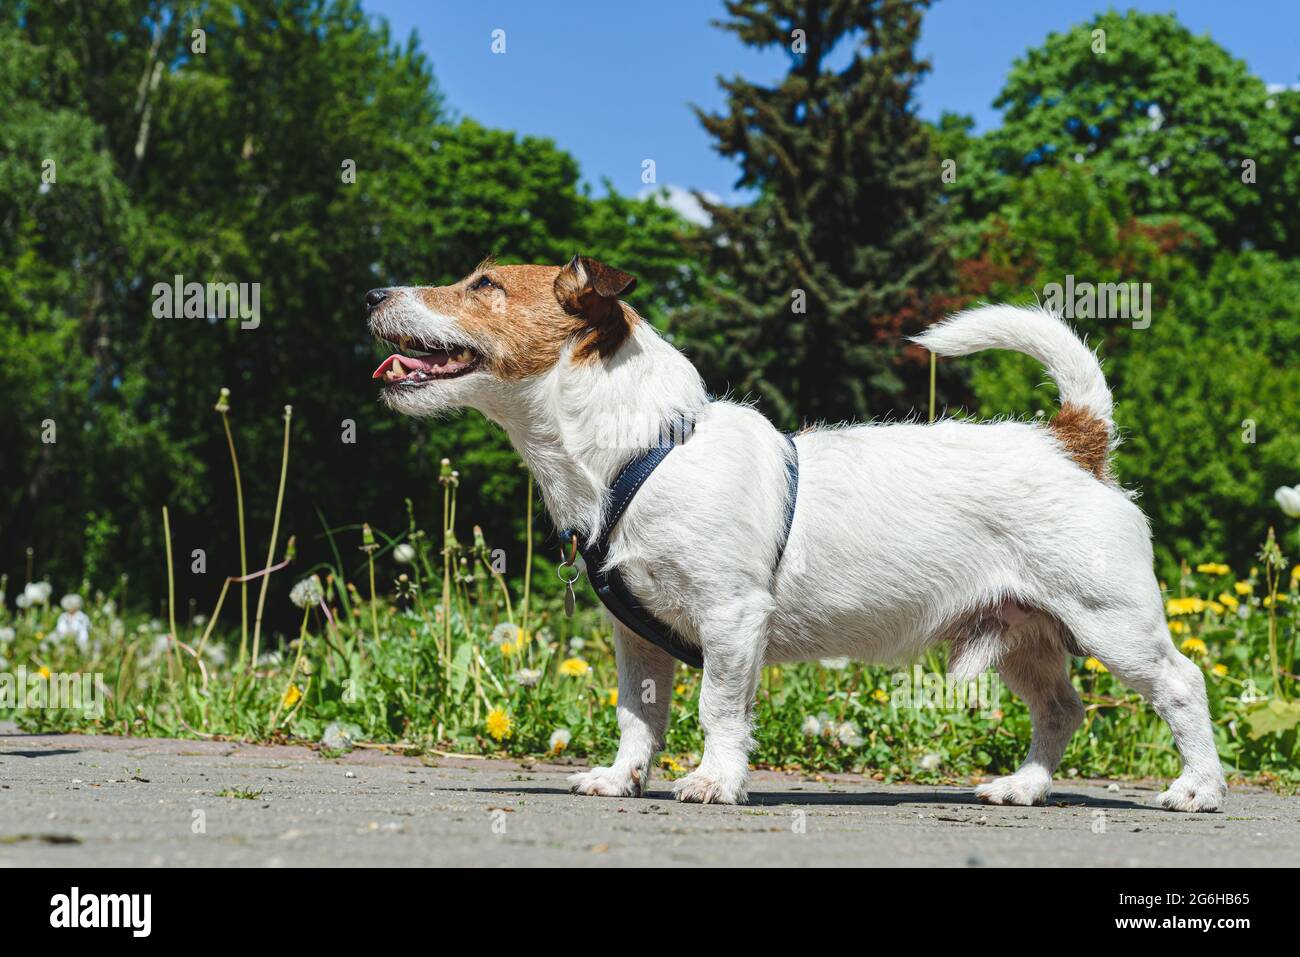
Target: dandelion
x: 73, y: 623
x: 44, y: 672
x: 611, y: 697
x: 1094, y: 665
x: 499, y: 724
x: 1289, y: 500
x: 1243, y: 588
x: 7, y: 634
x: 504, y: 632
x: 1193, y: 646
x: 1220, y: 669
x: 1229, y: 601
x: 528, y: 677
x: 1213, y: 568
x: 848, y: 735
x: 292, y: 695
x: 1184, y: 606
x: 576, y: 645
x: 307, y: 593
x: 37, y: 593
x: 680, y: 689
x: 1178, y: 627
x: 560, y: 739
x: 404, y: 554
x: 811, y: 727
x: 1269, y: 599
x: 880, y: 696
x: 930, y: 762
x: 574, y: 667
x: 669, y: 763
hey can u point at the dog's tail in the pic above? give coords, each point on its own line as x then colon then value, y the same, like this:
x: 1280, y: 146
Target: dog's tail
x: 1085, y: 425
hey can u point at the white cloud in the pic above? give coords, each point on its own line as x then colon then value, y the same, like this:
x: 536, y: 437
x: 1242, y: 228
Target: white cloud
x: 683, y: 201
x: 1284, y: 87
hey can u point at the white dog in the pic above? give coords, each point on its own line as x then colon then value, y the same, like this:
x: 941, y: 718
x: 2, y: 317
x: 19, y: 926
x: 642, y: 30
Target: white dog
x: 1008, y: 539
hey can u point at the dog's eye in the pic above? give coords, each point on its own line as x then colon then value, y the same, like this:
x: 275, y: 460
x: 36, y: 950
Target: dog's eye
x: 483, y: 282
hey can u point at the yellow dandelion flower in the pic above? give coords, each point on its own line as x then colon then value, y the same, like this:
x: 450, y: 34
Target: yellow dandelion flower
x: 574, y: 667
x: 1243, y: 588
x: 880, y: 696
x: 44, y: 672
x: 611, y: 697
x: 1269, y: 599
x: 669, y: 763
x: 1229, y: 601
x: 1178, y: 627
x: 292, y: 695
x: 1295, y: 574
x: 499, y: 724
x: 1213, y: 568
x: 1092, y: 664
x: 1184, y: 606
x: 1220, y: 669
x: 680, y: 689
x: 1193, y: 646
x: 1216, y: 607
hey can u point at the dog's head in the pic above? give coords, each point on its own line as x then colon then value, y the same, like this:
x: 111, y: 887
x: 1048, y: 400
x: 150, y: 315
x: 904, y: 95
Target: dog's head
x: 467, y: 343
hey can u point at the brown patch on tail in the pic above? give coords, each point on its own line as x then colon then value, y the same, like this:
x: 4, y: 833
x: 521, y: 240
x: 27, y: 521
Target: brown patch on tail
x: 1085, y: 437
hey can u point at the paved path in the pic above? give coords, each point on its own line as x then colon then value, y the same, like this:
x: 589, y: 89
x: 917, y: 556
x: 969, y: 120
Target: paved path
x: 78, y: 800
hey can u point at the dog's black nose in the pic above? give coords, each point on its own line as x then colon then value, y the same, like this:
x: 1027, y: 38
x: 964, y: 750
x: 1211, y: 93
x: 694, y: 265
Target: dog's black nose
x: 375, y: 296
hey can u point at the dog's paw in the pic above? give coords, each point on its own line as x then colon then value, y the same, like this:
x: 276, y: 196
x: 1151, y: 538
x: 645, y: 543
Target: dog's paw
x: 700, y: 787
x: 608, y: 782
x: 1194, y: 795
x: 1022, y: 789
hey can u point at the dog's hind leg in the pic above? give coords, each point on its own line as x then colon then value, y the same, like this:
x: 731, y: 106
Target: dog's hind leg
x: 735, y: 641
x: 1036, y: 669
x: 1138, y: 650
x: 645, y: 688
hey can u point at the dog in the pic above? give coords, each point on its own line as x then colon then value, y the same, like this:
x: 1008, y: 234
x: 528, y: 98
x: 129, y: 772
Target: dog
x: 1009, y: 539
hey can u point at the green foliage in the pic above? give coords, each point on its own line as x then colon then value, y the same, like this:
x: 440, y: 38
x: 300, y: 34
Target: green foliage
x: 843, y: 251
x: 230, y: 166
x: 452, y: 671
x: 1205, y: 472
x: 1166, y: 116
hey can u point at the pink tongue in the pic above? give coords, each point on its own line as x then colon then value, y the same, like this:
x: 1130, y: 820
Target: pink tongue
x: 410, y: 363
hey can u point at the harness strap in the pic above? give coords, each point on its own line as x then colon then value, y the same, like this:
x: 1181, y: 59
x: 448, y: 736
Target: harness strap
x: 609, y: 585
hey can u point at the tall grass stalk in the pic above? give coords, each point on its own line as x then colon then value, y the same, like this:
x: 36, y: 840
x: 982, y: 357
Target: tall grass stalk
x: 223, y: 406
x: 368, y: 545
x: 528, y: 556
x: 171, y: 598
x: 275, y: 534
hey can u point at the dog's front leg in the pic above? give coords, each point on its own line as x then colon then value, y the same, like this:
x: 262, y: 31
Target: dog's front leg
x: 734, y: 645
x: 645, y: 688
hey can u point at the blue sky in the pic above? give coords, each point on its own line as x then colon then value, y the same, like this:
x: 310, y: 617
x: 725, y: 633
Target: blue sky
x: 611, y: 81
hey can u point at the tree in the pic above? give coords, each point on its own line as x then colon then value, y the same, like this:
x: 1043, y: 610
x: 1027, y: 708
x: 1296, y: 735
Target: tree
x: 841, y: 251
x: 1203, y: 401
x: 297, y: 148
x: 1171, y: 119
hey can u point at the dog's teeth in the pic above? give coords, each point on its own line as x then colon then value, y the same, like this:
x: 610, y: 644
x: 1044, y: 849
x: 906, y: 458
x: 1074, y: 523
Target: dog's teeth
x: 404, y: 342
x: 463, y: 356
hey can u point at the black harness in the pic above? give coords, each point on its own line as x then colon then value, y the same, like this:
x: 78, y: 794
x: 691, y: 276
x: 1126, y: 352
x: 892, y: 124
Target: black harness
x: 609, y: 585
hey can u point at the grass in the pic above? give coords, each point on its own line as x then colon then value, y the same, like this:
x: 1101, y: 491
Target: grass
x: 434, y: 656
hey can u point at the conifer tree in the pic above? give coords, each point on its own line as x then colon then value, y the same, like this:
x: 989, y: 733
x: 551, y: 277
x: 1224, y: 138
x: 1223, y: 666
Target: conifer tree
x: 842, y: 251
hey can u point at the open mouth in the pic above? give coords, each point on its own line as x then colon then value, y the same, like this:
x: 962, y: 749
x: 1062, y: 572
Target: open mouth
x: 421, y: 362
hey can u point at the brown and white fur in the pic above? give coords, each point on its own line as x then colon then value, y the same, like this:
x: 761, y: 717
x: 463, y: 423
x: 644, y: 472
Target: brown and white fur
x: 1009, y: 539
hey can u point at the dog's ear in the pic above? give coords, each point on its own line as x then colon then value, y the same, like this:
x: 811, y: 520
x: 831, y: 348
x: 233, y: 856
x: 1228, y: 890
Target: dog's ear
x: 589, y: 290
